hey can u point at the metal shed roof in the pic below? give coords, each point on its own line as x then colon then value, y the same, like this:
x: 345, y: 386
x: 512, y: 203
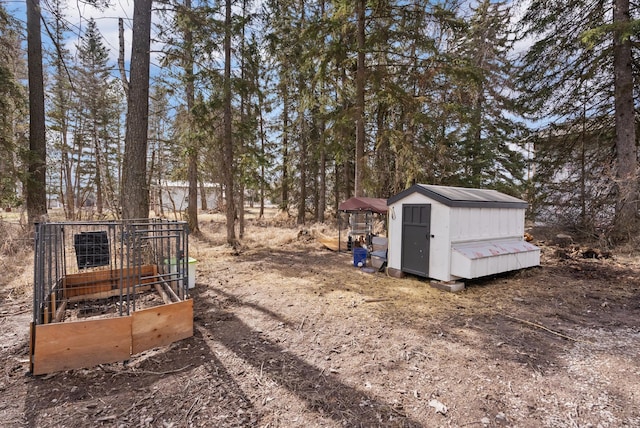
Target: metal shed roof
x: 462, y: 197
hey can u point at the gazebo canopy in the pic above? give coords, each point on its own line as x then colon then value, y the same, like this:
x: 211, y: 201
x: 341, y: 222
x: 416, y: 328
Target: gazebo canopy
x: 376, y: 205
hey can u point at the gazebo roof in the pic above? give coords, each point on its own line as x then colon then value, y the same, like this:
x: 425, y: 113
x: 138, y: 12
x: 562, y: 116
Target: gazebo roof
x: 376, y: 205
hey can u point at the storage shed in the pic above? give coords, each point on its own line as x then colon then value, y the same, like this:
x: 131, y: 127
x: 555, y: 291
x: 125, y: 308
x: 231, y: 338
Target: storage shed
x: 448, y: 233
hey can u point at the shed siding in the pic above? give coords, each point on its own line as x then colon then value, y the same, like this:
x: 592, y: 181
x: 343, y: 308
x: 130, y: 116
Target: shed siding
x: 478, y: 224
x: 439, y: 255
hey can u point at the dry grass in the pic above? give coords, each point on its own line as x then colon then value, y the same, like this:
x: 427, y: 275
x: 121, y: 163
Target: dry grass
x: 258, y: 234
x: 16, y: 258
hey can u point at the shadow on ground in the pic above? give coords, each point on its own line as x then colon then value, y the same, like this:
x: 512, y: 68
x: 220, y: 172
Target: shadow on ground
x: 173, y: 386
x: 322, y: 392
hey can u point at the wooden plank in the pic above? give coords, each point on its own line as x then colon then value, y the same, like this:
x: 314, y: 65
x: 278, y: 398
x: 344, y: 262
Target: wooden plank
x: 82, y: 290
x: 101, y: 281
x: 73, y: 345
x: 170, y: 290
x: 83, y: 278
x: 163, y: 294
x: 161, y: 325
x: 107, y: 275
x: 32, y: 338
x: 53, y: 304
x: 105, y: 294
x: 79, y: 284
x: 60, y: 311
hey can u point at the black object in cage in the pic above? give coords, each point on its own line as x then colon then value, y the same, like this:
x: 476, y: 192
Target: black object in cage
x: 92, y: 249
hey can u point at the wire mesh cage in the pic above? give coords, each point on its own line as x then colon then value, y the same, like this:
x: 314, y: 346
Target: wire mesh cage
x: 105, y: 268
x: 106, y: 290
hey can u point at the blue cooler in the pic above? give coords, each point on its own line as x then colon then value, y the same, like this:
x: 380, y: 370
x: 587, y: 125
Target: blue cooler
x: 359, y: 256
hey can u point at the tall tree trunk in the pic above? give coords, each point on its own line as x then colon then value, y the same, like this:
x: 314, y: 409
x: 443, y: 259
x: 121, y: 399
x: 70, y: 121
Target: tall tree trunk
x: 78, y: 146
x: 69, y: 201
x: 36, y: 180
x: 98, y: 179
x: 123, y: 73
x: 303, y: 133
x: 360, y: 81
x: 476, y: 143
x: 336, y: 188
x: 192, y: 173
x: 240, y: 206
x: 383, y: 156
x: 243, y: 116
x: 228, y: 137
x: 583, y: 167
x: 284, y: 205
x: 322, y: 190
x: 626, y: 219
x: 262, y: 156
x: 346, y: 137
x: 302, y: 165
x: 192, y: 169
x: 203, y: 195
x: 135, y: 193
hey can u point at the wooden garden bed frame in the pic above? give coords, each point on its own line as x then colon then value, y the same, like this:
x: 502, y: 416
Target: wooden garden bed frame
x: 57, y: 346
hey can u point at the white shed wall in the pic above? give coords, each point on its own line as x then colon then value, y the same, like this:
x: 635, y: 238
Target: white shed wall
x: 479, y: 224
x: 439, y: 253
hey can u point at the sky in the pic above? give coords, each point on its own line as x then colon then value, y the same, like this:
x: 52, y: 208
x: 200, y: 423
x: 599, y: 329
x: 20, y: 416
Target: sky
x: 107, y: 21
x: 78, y: 14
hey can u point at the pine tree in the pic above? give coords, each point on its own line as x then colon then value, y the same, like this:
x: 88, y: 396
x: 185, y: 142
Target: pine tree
x: 281, y: 41
x: 60, y: 108
x: 227, y: 142
x: 192, y: 149
x: 585, y: 46
x: 490, y: 136
x: 12, y: 107
x: 93, y: 87
x: 361, y: 77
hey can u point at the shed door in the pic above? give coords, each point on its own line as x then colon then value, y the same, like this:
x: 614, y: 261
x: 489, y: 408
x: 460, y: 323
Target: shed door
x: 416, y: 231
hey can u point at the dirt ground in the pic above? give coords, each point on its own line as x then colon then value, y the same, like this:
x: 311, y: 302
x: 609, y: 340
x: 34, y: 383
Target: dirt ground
x: 290, y: 334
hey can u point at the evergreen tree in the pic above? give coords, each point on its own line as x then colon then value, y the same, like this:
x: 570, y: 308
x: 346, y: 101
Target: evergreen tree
x: 192, y: 149
x: 585, y: 47
x: 281, y: 45
x: 60, y: 108
x: 361, y: 76
x: 227, y: 142
x: 93, y: 87
x: 12, y: 107
x: 160, y: 145
x: 489, y: 135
